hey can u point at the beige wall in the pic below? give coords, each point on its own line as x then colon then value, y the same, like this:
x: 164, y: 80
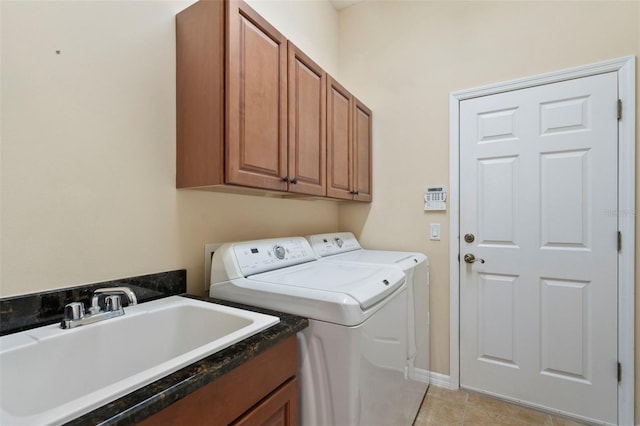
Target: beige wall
x: 88, y: 146
x: 404, y: 58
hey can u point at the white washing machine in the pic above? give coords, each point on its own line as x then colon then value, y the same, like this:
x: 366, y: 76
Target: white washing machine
x: 352, y: 357
x: 344, y: 247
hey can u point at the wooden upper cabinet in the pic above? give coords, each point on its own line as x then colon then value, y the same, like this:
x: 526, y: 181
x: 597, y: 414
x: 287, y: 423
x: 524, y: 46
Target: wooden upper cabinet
x: 339, y: 149
x: 307, y: 125
x: 348, y: 145
x: 252, y: 110
x: 231, y: 94
x: 256, y: 100
x: 361, y: 151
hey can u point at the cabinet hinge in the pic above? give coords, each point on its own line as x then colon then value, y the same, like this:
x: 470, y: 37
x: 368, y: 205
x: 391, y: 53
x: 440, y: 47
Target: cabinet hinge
x: 619, y: 372
x: 619, y: 241
x: 619, y: 109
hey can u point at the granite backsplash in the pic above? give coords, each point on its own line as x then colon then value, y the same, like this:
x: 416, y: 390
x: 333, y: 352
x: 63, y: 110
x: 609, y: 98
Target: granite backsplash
x: 33, y: 310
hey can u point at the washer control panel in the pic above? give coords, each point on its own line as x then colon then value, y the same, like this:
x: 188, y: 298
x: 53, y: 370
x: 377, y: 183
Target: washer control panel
x: 334, y: 243
x: 254, y: 257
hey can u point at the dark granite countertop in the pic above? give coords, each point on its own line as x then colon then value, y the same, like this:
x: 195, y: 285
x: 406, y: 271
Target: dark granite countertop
x: 158, y: 395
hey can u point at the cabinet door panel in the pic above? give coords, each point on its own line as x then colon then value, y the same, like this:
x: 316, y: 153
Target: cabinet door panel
x: 256, y: 100
x: 338, y: 141
x: 362, y: 152
x: 307, y: 124
x: 278, y: 409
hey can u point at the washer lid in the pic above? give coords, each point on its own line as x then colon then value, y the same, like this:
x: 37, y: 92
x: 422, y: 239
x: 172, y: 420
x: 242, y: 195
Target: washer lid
x: 379, y: 257
x: 366, y: 284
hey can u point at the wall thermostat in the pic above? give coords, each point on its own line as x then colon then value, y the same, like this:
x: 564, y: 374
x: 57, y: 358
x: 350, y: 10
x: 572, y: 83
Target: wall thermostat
x: 434, y: 198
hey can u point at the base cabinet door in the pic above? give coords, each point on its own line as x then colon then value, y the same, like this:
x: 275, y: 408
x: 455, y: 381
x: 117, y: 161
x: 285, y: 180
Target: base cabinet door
x: 278, y: 409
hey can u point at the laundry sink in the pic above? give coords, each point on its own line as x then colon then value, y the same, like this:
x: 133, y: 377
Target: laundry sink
x: 49, y: 375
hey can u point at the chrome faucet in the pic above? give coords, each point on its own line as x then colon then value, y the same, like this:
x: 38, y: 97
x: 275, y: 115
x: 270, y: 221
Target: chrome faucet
x: 74, y: 314
x: 111, y: 291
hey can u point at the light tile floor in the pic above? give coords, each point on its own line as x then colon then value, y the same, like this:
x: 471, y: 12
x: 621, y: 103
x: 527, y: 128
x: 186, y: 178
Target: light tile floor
x: 445, y: 407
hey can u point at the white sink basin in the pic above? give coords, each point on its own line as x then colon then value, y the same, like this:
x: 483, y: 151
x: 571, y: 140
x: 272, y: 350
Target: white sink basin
x: 50, y: 376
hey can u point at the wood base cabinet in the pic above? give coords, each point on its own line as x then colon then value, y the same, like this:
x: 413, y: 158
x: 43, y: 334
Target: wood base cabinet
x: 262, y: 391
x: 348, y: 145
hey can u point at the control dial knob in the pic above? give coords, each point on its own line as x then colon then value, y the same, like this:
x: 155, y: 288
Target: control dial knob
x: 339, y: 242
x: 279, y: 251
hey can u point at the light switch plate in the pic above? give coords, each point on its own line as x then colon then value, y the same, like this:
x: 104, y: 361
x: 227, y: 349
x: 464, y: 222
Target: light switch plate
x: 435, y: 232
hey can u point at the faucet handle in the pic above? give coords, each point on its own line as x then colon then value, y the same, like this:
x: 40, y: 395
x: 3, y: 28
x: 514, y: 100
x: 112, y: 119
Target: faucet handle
x: 113, y: 303
x: 74, y: 311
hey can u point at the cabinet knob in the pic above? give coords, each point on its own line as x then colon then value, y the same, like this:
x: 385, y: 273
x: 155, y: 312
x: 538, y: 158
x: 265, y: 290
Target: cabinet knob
x: 285, y: 179
x: 294, y: 181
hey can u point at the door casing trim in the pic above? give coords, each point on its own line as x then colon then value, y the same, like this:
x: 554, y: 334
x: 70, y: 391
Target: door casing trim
x: 625, y: 69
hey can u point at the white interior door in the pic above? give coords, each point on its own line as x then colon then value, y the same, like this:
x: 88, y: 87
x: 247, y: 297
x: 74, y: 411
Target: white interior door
x: 538, y: 191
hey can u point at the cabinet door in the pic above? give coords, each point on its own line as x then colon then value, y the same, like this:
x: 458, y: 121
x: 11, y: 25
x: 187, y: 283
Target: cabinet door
x: 338, y: 141
x: 361, y: 152
x: 278, y: 409
x: 307, y: 125
x: 256, y: 99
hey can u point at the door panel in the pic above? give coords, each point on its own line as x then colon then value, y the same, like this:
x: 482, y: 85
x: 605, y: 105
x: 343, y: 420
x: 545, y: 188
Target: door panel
x: 558, y: 297
x: 497, y: 209
x: 256, y: 100
x: 564, y: 195
x: 538, y: 173
x: 497, y: 339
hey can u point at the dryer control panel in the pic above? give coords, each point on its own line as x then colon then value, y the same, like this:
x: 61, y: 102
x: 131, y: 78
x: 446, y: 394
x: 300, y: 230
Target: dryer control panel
x: 254, y: 257
x: 333, y: 243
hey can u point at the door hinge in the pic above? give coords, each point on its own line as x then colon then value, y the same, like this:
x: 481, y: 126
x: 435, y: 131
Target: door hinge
x: 619, y: 241
x: 619, y: 372
x: 619, y: 109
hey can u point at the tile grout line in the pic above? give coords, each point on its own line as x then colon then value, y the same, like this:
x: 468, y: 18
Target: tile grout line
x: 464, y: 412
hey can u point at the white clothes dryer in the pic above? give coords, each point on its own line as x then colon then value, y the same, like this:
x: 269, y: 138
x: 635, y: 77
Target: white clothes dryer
x: 343, y: 247
x: 352, y: 356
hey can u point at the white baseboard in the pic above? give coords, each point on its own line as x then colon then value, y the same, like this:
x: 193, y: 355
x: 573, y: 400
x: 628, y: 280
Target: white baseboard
x: 436, y: 379
x: 421, y: 375
x: 439, y: 380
